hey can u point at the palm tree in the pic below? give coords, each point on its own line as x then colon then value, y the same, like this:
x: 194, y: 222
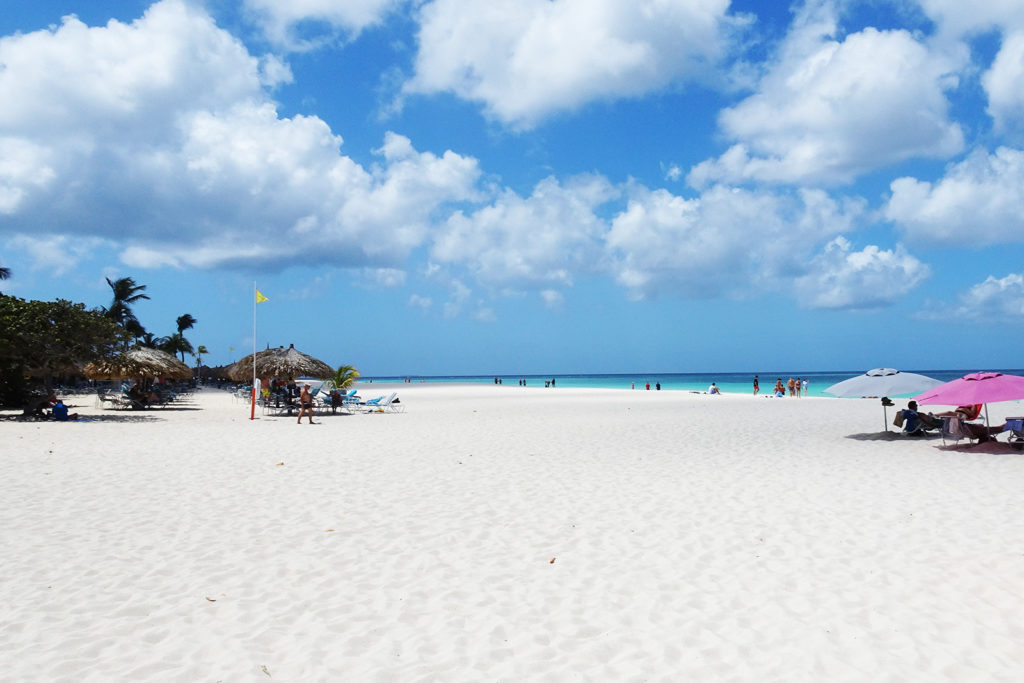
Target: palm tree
x: 175, y: 344
x: 4, y: 273
x: 200, y: 352
x: 126, y: 292
x: 148, y: 340
x: 345, y: 377
x: 185, y: 322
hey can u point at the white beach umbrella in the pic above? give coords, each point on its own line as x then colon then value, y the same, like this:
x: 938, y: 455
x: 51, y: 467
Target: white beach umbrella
x: 883, y: 382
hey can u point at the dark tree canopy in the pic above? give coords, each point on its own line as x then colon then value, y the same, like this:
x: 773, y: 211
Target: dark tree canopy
x: 44, y: 338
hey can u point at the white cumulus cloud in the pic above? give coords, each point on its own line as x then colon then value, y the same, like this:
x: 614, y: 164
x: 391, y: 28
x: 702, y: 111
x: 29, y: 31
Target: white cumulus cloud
x: 306, y: 24
x: 534, y: 242
x: 1004, y: 83
x: 161, y: 133
x: 524, y: 60
x: 727, y: 241
x: 978, y: 201
x: 995, y: 298
x: 841, y: 278
x: 957, y: 18
x: 831, y: 109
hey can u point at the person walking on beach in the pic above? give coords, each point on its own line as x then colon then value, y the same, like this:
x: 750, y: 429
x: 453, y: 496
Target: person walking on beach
x: 756, y: 387
x: 305, y: 404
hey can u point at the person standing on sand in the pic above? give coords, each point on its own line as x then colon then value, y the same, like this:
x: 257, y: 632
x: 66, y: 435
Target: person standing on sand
x: 648, y: 386
x: 791, y: 385
x: 798, y: 387
x: 807, y: 386
x: 756, y: 387
x: 305, y: 404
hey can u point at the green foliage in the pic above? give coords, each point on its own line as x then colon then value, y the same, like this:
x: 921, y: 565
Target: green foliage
x: 185, y: 322
x: 43, y: 338
x: 175, y: 344
x: 126, y: 292
x: 345, y: 377
x: 184, y: 346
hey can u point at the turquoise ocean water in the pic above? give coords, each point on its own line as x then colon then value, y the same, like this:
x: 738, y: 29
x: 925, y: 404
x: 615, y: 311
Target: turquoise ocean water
x: 728, y: 382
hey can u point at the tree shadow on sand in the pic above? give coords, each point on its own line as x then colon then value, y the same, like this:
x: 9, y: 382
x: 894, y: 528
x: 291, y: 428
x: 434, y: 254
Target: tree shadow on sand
x: 113, y: 417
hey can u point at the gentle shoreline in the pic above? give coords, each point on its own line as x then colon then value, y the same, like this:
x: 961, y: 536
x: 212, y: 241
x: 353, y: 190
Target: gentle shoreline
x: 492, y: 532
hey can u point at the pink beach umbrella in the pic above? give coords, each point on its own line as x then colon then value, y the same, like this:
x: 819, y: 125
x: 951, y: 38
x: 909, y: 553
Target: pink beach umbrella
x: 975, y: 388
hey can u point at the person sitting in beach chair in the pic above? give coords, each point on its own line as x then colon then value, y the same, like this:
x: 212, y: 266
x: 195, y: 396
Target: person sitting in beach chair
x: 916, y: 423
x: 336, y: 399
x: 965, y: 413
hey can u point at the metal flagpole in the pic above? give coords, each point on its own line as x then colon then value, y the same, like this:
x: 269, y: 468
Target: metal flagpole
x: 252, y: 410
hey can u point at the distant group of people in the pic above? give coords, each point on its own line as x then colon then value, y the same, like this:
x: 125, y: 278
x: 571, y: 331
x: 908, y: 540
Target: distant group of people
x: 522, y: 382
x: 794, y: 385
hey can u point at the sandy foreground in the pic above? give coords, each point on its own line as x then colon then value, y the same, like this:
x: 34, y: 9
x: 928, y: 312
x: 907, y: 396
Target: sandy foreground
x: 501, y: 533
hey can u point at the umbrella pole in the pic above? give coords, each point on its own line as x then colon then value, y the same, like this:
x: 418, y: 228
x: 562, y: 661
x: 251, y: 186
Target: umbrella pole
x: 885, y: 417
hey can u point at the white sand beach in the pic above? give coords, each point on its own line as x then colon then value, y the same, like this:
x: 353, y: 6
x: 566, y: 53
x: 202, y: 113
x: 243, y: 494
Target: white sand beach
x: 507, y: 533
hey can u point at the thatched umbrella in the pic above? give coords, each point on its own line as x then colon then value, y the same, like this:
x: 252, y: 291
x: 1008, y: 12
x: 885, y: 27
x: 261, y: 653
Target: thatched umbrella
x: 140, y: 363
x: 281, y: 362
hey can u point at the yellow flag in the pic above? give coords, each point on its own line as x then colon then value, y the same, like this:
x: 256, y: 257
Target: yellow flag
x: 260, y: 298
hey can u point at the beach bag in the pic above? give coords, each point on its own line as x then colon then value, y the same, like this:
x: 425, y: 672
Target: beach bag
x: 898, y: 419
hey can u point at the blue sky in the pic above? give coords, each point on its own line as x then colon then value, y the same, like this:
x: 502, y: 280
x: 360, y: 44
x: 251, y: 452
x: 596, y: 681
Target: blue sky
x: 529, y: 186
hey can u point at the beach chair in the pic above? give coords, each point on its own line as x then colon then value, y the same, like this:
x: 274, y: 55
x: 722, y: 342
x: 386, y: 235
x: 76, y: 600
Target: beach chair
x: 375, y: 405
x: 393, y: 405
x: 954, y: 429
x: 113, y: 400
x: 1015, y: 425
x: 916, y: 424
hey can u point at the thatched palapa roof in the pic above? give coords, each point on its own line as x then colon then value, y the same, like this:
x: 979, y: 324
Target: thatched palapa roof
x: 282, y: 363
x: 139, y: 363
